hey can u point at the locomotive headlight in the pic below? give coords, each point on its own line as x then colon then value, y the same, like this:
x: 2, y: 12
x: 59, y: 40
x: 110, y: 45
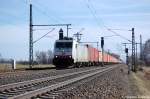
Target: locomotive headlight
x: 56, y: 56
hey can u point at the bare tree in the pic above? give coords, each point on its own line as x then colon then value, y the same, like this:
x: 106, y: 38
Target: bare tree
x: 0, y: 55
x: 43, y: 57
x: 50, y: 56
x: 146, y: 52
x: 1, y: 59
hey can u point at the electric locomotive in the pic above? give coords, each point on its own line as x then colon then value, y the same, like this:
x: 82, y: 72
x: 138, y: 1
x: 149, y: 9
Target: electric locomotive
x: 63, y: 51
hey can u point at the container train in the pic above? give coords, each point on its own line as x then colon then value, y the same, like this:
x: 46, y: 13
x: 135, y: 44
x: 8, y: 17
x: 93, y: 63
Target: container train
x: 68, y: 52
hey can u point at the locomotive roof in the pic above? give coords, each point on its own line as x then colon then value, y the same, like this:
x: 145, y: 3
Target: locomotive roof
x: 64, y: 40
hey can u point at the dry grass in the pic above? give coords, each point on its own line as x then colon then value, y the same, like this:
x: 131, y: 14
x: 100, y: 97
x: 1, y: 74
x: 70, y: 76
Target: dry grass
x: 142, y: 83
x: 5, y: 67
x: 19, y: 66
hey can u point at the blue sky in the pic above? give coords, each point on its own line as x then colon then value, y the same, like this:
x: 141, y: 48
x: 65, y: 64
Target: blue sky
x: 92, y: 15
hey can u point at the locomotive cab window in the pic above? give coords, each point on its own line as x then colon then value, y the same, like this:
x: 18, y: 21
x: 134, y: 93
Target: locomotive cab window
x: 63, y: 44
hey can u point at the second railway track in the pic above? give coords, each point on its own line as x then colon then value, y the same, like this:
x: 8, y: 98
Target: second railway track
x: 38, y: 87
x: 20, y: 76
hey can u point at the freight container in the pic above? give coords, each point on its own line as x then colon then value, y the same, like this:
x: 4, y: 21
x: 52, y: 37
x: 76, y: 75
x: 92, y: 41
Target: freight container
x: 100, y: 56
x: 81, y: 53
x: 93, y: 54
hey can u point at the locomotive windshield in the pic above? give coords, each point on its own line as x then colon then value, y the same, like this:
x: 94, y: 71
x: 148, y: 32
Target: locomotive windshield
x: 63, y: 44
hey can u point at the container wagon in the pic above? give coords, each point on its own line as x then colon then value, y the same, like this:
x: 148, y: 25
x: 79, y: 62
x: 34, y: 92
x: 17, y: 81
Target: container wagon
x: 68, y: 52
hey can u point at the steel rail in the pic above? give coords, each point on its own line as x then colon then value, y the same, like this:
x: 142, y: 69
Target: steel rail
x: 18, y: 84
x: 34, y: 93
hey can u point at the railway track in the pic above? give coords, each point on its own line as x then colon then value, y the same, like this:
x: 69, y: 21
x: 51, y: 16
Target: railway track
x: 45, y: 87
x: 20, y: 76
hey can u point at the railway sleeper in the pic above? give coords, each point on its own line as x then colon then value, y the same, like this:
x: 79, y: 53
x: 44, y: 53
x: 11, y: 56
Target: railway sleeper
x: 4, y: 96
x: 49, y: 95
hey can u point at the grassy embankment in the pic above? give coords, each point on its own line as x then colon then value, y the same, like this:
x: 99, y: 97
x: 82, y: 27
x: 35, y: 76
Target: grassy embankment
x: 5, y: 67
x: 141, y: 80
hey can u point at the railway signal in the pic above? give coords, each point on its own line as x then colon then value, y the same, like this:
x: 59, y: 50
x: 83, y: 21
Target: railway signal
x: 102, y: 42
x: 127, y: 60
x: 133, y: 67
x: 126, y: 50
x: 102, y: 46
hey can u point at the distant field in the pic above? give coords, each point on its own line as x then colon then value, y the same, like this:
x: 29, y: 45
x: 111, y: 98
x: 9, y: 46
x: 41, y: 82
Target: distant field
x: 5, y: 67
x: 19, y: 66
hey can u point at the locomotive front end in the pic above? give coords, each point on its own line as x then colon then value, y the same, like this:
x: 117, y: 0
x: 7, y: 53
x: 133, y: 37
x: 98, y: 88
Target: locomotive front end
x: 63, y: 53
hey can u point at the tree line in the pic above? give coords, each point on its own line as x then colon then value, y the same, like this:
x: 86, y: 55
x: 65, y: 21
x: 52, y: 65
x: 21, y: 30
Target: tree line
x: 41, y: 57
x: 146, y: 52
x: 44, y: 57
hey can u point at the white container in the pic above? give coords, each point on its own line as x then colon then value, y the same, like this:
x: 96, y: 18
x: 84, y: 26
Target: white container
x: 82, y: 53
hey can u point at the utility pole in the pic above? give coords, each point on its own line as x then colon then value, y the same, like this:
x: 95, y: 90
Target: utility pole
x: 31, y: 36
x: 127, y: 59
x: 133, y: 51
x: 97, y: 45
x: 102, y: 46
x: 31, y: 25
x: 141, y: 49
x: 136, y: 57
x: 78, y: 36
x: 133, y: 67
x: 68, y: 28
x: 30, y: 39
x: 136, y: 60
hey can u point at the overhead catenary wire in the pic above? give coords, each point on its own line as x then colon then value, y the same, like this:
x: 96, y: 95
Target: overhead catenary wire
x: 44, y: 13
x: 96, y: 19
x: 121, y: 29
x: 93, y: 12
x: 44, y: 35
x: 109, y: 36
x: 42, y: 29
x: 50, y: 15
x: 119, y: 35
x: 51, y: 36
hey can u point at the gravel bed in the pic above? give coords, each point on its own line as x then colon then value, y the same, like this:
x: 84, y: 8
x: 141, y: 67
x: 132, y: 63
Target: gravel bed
x: 111, y: 85
x: 35, y: 74
x: 36, y: 86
